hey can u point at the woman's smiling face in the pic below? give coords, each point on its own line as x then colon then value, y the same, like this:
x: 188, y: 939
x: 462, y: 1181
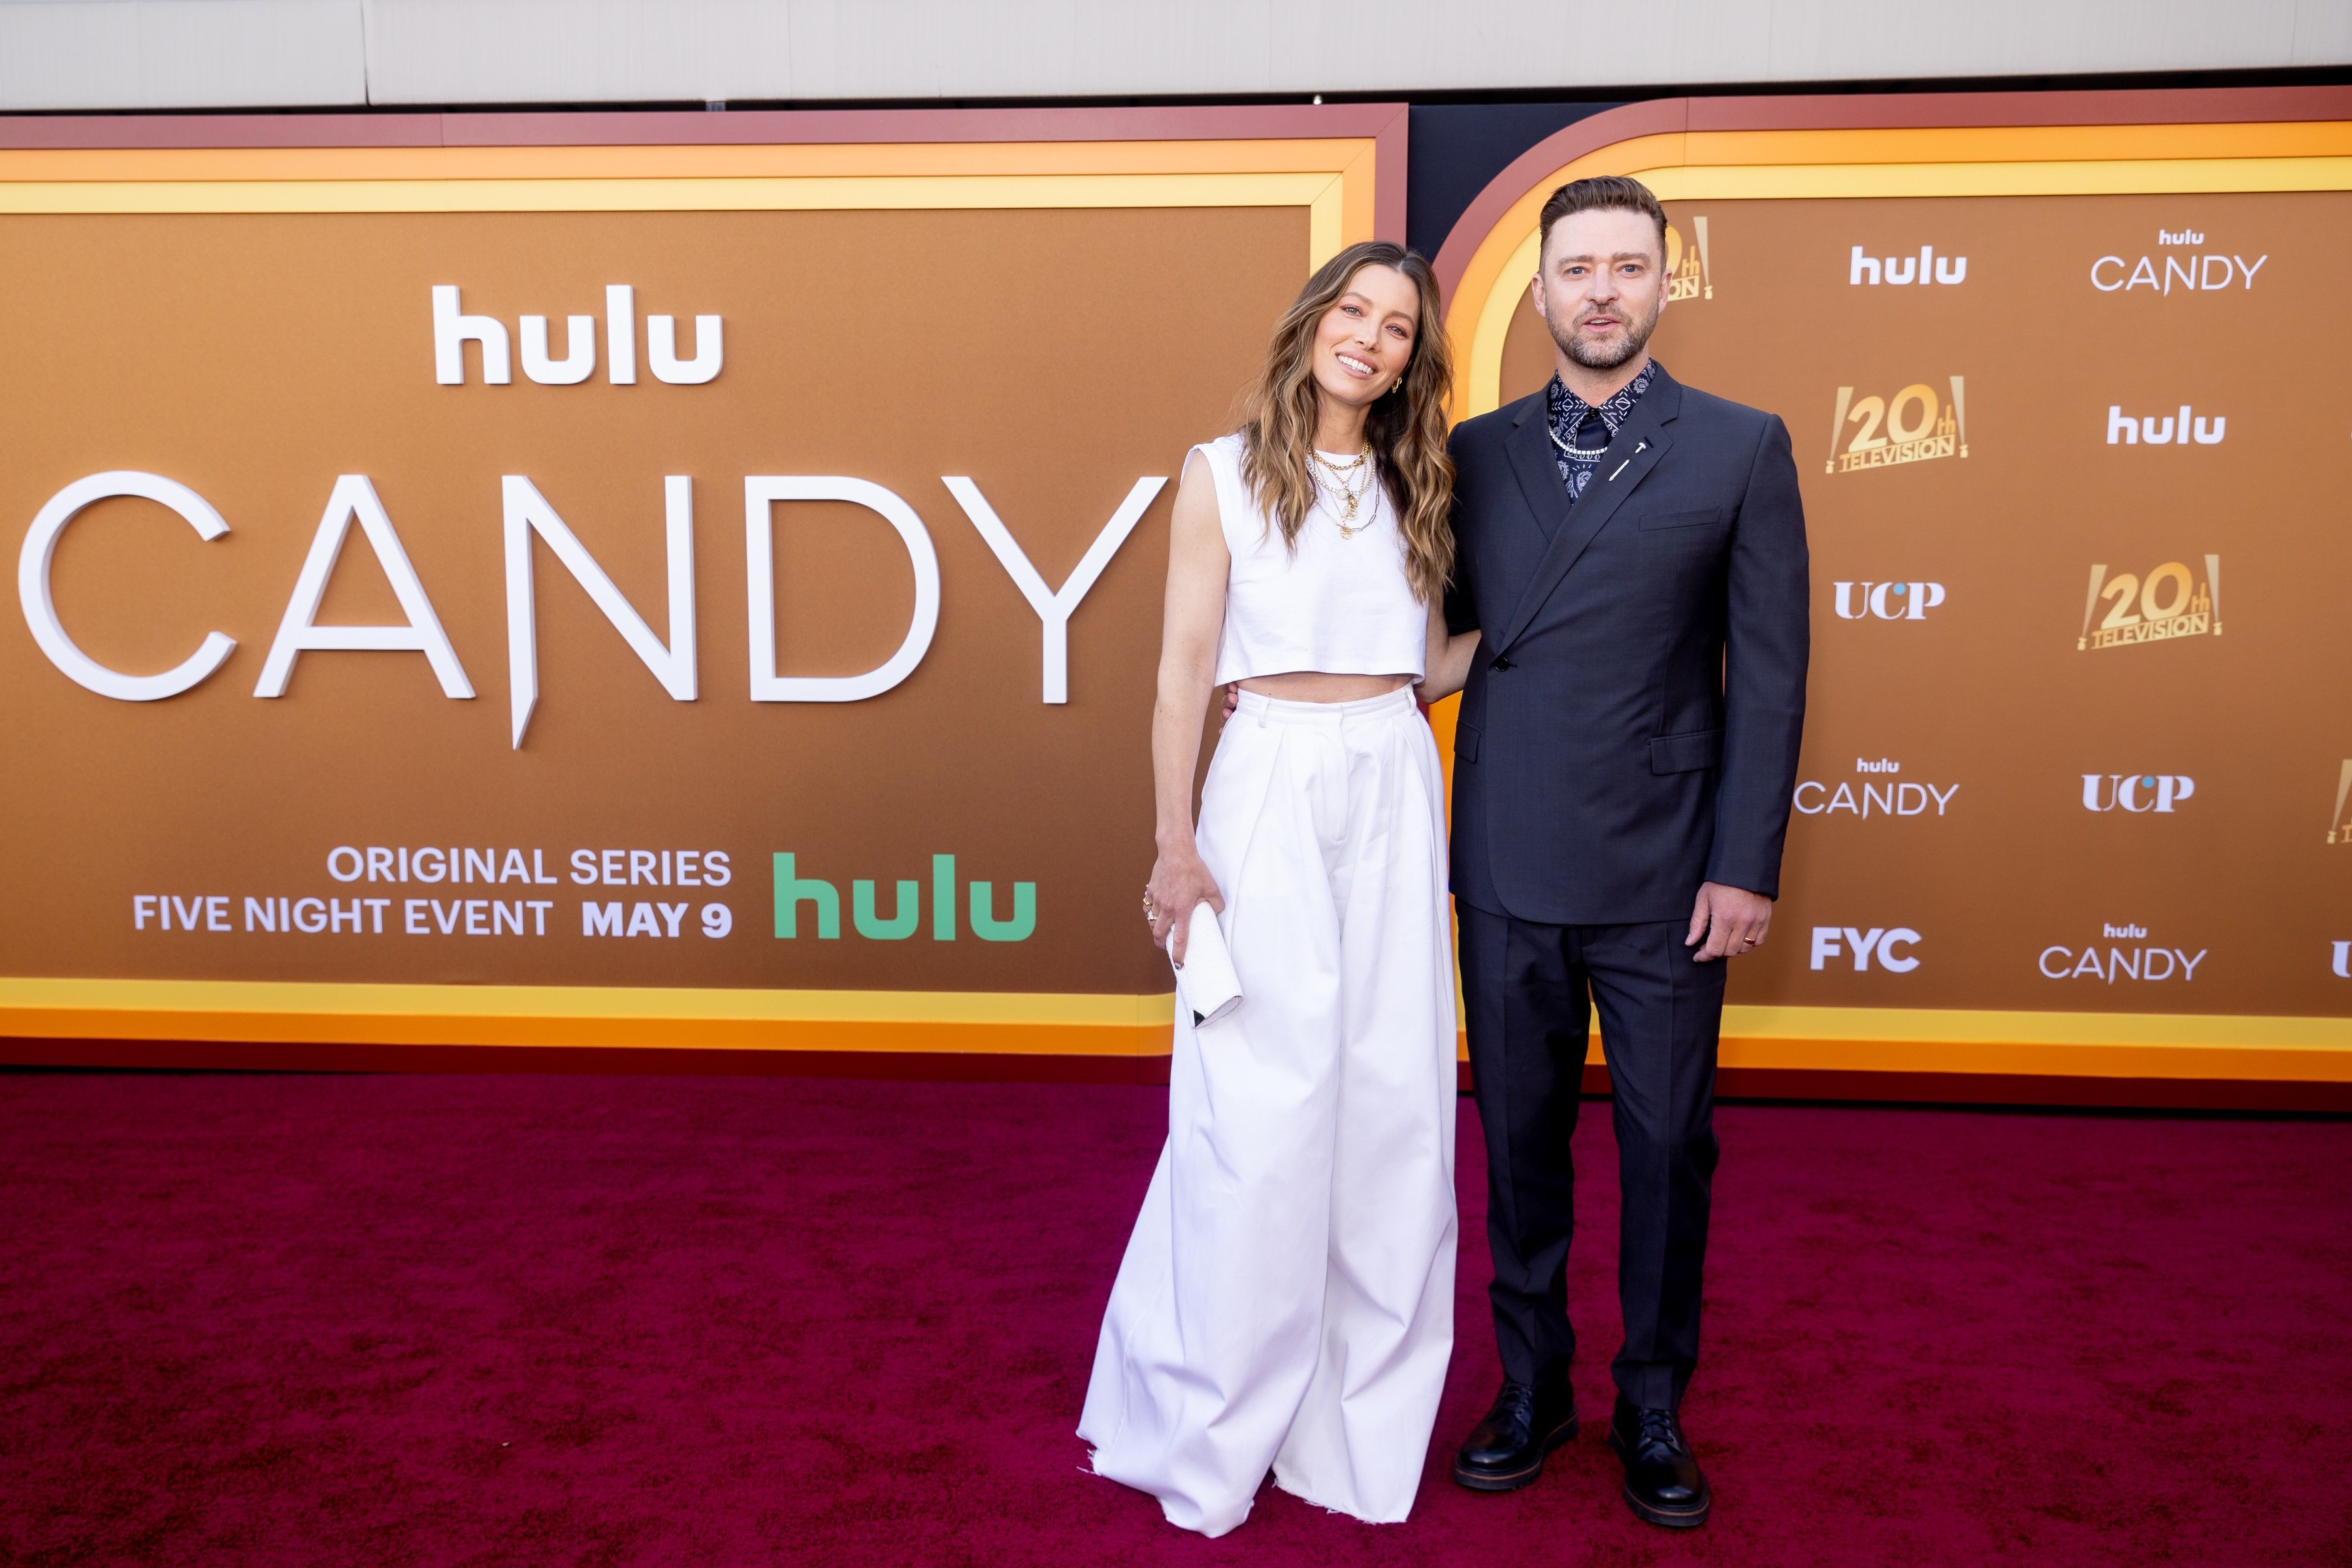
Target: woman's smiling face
x: 1365, y: 339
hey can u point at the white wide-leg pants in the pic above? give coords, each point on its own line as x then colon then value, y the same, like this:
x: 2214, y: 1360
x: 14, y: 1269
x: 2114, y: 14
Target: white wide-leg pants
x: 1287, y: 1300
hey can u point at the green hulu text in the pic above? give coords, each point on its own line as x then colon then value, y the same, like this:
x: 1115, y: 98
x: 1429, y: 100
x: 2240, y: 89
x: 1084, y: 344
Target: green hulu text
x: 794, y: 891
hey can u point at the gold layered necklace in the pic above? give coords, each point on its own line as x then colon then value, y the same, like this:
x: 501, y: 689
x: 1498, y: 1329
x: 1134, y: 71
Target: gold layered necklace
x: 1350, y: 495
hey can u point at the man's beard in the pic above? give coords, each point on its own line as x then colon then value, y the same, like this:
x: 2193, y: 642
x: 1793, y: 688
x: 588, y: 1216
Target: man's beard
x: 1591, y: 357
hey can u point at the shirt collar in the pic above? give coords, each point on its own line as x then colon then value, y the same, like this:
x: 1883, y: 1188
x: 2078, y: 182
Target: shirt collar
x: 1567, y: 410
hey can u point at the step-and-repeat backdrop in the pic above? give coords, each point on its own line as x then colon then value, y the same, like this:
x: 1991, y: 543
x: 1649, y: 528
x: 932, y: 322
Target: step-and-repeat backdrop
x: 2074, y: 457
x: 660, y: 594
x: 707, y: 593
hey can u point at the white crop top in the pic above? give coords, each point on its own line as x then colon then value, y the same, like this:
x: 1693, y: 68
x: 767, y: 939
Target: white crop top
x: 1336, y: 606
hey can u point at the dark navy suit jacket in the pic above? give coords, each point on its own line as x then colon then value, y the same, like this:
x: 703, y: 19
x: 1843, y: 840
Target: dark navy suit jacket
x: 1630, y: 725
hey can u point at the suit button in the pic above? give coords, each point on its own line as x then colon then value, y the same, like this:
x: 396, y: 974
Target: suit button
x: 1501, y: 662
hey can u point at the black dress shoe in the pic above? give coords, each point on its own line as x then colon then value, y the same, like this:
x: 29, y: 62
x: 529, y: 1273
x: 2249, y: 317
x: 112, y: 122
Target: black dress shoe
x: 1662, y: 1483
x: 1505, y: 1451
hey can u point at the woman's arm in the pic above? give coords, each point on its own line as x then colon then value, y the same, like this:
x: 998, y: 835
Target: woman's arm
x: 1194, y: 618
x: 1448, y: 660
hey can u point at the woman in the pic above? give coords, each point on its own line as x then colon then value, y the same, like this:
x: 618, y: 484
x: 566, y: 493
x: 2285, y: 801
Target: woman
x: 1287, y: 1300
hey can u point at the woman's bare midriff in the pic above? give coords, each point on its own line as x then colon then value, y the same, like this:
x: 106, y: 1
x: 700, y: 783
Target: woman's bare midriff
x: 1313, y: 685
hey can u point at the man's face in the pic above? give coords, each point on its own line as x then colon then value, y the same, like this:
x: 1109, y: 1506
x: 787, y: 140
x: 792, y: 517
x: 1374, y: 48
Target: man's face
x: 1601, y: 285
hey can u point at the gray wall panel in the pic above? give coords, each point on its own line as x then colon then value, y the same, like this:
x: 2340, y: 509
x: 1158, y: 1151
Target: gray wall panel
x: 432, y: 51
x: 182, y: 54
x: 161, y: 54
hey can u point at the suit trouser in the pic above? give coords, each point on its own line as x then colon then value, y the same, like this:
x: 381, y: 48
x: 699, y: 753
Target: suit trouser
x: 1526, y: 988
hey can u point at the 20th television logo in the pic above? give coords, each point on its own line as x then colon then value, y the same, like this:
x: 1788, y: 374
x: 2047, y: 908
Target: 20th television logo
x: 1688, y: 274
x: 2169, y: 603
x: 1914, y: 425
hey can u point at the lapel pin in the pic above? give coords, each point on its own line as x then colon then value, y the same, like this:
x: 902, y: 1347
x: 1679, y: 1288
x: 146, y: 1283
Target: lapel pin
x: 1621, y: 468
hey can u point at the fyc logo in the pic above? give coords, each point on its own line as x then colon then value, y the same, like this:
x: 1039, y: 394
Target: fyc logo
x: 1832, y: 941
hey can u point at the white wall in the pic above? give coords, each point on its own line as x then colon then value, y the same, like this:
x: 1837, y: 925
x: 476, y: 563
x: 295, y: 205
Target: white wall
x: 181, y: 54
x: 149, y: 54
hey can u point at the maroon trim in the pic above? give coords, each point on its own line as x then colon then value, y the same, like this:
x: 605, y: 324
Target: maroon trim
x: 2140, y: 106
x: 1155, y: 124
x: 1389, y: 144
x: 55, y: 131
x: 2117, y: 106
x: 955, y: 1066
x: 280, y: 1055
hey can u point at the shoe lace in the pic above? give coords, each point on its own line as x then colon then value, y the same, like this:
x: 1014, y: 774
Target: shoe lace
x: 1660, y: 1426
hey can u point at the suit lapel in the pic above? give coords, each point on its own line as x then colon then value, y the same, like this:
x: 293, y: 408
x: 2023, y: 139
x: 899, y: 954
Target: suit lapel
x: 1631, y: 456
x: 1529, y: 450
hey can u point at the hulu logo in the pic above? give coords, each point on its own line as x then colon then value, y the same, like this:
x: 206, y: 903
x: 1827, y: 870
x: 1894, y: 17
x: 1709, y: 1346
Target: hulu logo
x: 794, y: 890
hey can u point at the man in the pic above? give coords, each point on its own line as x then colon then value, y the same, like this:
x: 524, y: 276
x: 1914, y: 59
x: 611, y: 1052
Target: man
x: 1632, y: 551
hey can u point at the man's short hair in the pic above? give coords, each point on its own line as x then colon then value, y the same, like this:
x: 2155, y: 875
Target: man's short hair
x: 1599, y: 192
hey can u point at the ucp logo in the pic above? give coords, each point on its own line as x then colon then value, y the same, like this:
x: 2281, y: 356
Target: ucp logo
x: 2135, y: 792
x: 1887, y: 601
x: 1875, y: 943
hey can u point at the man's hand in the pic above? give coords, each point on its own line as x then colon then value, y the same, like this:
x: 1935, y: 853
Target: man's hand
x: 1733, y: 920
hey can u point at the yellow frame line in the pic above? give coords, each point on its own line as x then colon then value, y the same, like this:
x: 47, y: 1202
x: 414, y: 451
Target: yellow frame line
x: 2106, y: 177
x: 1968, y: 1025
x: 1317, y: 155
x: 776, y: 193
x: 328, y: 999
x: 1327, y: 227
x: 1880, y: 1024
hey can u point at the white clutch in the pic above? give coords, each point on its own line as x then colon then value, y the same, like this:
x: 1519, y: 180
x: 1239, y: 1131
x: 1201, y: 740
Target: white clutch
x: 1205, y: 982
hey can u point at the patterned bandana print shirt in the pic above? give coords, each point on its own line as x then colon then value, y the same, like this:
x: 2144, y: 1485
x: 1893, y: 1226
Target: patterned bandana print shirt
x: 1581, y: 433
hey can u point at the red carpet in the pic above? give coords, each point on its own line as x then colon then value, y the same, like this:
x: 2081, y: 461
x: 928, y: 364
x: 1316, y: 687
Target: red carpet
x: 523, y: 1321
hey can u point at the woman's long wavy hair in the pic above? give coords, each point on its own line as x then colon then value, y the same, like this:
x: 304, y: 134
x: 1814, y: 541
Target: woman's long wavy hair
x: 1406, y: 427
